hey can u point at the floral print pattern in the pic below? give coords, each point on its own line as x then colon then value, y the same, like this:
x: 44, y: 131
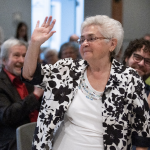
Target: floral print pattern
x: 125, y: 111
x: 90, y: 94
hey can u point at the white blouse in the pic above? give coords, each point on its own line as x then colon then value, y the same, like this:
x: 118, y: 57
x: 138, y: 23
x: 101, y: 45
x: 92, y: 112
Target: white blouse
x: 82, y: 128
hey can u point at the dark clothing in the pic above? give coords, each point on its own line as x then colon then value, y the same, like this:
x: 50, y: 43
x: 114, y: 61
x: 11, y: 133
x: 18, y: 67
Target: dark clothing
x: 14, y: 111
x: 16, y: 81
x: 23, y: 92
x: 147, y: 89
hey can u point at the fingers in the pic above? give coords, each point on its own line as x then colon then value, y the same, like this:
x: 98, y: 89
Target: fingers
x: 37, y: 24
x: 44, y: 23
x: 50, y: 34
x: 52, y: 25
x: 49, y: 21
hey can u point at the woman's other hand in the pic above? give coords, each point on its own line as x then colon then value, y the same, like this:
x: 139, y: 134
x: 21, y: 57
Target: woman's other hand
x: 43, y: 33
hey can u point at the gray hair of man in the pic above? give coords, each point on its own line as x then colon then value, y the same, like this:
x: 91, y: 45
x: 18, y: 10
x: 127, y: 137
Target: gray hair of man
x: 108, y: 27
x: 8, y: 44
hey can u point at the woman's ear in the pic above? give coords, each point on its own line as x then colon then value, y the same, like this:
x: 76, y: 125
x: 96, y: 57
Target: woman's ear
x: 126, y: 60
x: 113, y: 44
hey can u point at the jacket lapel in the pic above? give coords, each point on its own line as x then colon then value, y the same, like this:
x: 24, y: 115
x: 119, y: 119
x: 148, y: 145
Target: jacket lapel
x: 10, y: 88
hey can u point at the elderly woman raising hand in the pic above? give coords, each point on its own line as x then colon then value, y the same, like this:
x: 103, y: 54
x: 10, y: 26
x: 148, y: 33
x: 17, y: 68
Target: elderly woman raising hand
x: 90, y: 104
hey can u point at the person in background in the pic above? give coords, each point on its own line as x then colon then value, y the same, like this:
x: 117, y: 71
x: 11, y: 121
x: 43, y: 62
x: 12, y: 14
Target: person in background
x: 22, y: 32
x: 69, y: 50
x: 50, y: 56
x: 102, y: 103
x: 137, y: 56
x: 73, y: 38
x: 19, y: 102
x: 147, y: 37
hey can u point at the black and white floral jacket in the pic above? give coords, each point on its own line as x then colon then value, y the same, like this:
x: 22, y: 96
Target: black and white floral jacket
x: 124, y: 104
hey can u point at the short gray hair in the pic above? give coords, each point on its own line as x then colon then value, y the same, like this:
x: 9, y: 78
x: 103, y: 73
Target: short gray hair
x: 109, y: 28
x: 8, y: 44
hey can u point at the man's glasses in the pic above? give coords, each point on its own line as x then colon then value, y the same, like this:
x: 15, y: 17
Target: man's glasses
x: 138, y: 58
x: 90, y: 39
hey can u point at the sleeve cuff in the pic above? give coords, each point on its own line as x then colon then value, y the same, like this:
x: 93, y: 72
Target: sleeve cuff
x: 37, y: 78
x: 141, y: 141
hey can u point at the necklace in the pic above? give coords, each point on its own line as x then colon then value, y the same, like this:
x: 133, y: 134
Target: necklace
x: 86, y: 89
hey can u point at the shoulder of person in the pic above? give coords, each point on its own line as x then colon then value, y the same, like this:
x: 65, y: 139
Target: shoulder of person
x: 127, y: 74
x: 67, y: 62
x: 3, y: 75
x: 126, y: 70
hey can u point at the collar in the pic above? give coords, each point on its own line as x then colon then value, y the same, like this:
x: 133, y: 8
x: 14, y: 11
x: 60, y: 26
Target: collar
x: 117, y: 75
x: 117, y: 71
x: 11, y: 76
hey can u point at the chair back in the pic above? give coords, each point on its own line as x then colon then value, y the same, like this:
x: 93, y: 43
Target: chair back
x: 24, y: 136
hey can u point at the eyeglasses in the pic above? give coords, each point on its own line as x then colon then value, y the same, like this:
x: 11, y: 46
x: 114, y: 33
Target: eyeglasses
x: 138, y: 58
x: 90, y: 39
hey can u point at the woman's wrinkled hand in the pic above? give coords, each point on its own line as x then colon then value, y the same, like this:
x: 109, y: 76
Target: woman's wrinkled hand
x: 43, y: 33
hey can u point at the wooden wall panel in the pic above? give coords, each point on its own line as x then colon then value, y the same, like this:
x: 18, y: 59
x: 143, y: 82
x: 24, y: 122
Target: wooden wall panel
x: 117, y: 10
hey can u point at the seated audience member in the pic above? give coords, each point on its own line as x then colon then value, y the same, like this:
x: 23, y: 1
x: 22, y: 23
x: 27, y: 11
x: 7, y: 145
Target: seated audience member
x: 69, y: 50
x: 19, y: 102
x: 73, y: 38
x: 22, y: 32
x: 137, y: 56
x: 50, y: 56
x: 147, y: 37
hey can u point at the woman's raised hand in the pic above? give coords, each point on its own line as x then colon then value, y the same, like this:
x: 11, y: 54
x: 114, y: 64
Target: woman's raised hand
x: 43, y: 33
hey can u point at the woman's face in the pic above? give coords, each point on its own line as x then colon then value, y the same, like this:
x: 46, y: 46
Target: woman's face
x: 96, y: 49
x: 22, y: 31
x: 69, y: 53
x: 51, y: 57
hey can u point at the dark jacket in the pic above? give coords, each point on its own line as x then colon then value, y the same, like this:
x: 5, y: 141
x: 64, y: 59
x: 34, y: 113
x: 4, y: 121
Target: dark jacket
x: 14, y: 111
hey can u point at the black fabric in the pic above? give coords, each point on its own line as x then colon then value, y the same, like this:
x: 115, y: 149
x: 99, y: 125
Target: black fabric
x: 147, y: 89
x: 13, y: 111
x: 37, y: 76
x: 140, y: 141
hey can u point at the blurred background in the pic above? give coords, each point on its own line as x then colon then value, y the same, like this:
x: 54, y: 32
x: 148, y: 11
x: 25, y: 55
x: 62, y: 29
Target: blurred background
x: 133, y: 14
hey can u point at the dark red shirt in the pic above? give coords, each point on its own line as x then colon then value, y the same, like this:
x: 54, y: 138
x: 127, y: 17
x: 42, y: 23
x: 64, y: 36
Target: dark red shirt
x: 23, y: 92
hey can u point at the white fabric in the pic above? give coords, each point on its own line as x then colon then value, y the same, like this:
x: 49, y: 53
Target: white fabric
x: 82, y: 128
